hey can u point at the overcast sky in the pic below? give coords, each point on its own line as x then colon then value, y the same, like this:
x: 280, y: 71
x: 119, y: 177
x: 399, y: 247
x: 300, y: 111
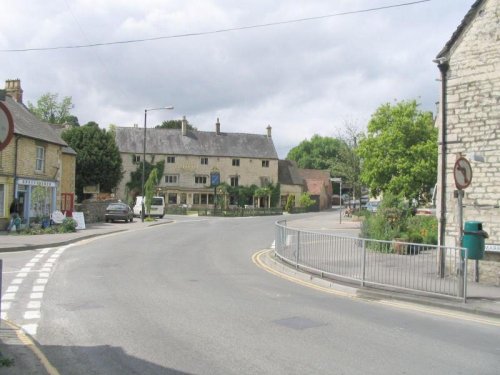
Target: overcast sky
x: 302, y: 78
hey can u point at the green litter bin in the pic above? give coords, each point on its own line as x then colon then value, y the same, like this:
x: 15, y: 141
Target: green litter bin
x: 473, y: 239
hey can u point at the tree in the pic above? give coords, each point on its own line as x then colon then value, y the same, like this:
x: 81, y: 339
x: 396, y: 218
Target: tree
x: 98, y: 159
x: 135, y: 183
x: 399, y: 153
x: 48, y: 109
x: 174, y: 124
x: 348, y: 163
x: 149, y: 188
x: 318, y: 153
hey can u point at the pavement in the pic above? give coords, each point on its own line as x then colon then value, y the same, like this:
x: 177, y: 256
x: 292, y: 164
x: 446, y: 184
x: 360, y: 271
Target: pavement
x: 483, y: 301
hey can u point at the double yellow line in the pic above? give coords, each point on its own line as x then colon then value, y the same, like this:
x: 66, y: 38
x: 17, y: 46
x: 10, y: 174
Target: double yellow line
x: 257, y: 259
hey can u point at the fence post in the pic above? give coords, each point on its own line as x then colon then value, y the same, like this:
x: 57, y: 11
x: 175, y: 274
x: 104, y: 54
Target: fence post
x: 465, y: 276
x: 297, y: 252
x: 364, y: 263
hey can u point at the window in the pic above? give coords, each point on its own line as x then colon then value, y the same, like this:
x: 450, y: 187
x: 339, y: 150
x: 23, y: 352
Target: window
x: 264, y: 181
x: 40, y: 159
x: 136, y: 159
x: 203, y: 198
x: 204, y: 161
x: 172, y: 198
x: 265, y: 163
x: 234, y: 181
x: 200, y: 180
x: 2, y: 199
x: 170, y: 159
x: 171, y: 179
x: 236, y: 162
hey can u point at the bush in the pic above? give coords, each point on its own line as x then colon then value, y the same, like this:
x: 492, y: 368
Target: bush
x: 68, y: 225
x: 394, y: 220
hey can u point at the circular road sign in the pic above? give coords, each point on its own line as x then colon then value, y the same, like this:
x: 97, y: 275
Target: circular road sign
x: 462, y: 173
x: 6, y: 126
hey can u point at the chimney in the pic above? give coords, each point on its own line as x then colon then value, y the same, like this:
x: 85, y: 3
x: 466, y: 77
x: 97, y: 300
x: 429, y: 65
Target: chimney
x: 13, y: 89
x: 136, y: 126
x: 268, y: 131
x: 184, y: 126
x: 217, y: 127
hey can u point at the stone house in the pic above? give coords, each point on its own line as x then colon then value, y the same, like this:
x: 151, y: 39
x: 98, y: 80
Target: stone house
x: 191, y: 156
x: 318, y: 184
x: 36, y: 166
x: 295, y: 181
x: 469, y: 126
x: 291, y: 183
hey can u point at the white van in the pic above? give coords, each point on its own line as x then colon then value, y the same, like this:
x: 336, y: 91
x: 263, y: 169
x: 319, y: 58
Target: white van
x: 157, y: 207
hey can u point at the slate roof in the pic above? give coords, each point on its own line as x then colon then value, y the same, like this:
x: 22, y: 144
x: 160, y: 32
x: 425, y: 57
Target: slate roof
x: 28, y: 125
x: 59, y: 129
x: 195, y: 142
x: 465, y: 22
x: 288, y: 173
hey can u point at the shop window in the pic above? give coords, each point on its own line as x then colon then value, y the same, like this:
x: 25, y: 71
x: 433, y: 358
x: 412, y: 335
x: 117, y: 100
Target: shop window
x: 196, y: 198
x: 172, y: 198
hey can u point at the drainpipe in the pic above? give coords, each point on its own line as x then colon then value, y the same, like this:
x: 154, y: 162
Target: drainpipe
x: 443, y: 66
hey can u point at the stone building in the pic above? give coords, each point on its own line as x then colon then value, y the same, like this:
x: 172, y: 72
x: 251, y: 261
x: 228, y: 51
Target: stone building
x: 469, y: 126
x: 36, y: 166
x: 191, y: 156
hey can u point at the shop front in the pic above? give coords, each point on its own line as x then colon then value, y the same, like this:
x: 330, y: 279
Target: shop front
x: 35, y: 199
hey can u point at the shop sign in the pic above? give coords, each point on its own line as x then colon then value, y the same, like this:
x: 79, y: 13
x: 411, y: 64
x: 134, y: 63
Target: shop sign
x: 27, y: 181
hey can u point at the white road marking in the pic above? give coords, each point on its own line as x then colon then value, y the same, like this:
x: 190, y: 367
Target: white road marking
x: 30, y: 328
x: 31, y: 314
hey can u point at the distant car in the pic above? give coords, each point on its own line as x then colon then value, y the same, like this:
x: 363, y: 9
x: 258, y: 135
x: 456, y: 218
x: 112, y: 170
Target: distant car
x: 372, y: 206
x: 119, y: 211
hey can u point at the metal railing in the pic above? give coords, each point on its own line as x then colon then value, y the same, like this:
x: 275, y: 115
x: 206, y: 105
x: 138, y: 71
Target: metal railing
x: 426, y: 269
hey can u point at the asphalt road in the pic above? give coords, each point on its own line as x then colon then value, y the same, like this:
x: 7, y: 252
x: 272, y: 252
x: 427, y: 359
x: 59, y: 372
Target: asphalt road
x: 186, y: 298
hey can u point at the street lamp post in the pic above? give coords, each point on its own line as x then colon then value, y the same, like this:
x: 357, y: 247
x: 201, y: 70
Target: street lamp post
x: 144, y: 156
x: 339, y: 180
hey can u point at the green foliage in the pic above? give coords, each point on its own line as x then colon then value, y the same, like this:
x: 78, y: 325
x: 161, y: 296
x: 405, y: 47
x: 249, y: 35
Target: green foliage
x: 318, y: 153
x: 290, y: 203
x: 68, y: 225
x: 135, y: 183
x: 348, y: 163
x: 394, y: 220
x: 150, y: 188
x: 98, y: 159
x: 305, y: 200
x: 50, y: 110
x: 399, y: 153
x: 174, y: 124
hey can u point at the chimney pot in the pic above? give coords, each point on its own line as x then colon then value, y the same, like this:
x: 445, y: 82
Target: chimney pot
x: 14, y: 90
x: 217, y: 127
x: 268, y: 131
x: 184, y: 125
